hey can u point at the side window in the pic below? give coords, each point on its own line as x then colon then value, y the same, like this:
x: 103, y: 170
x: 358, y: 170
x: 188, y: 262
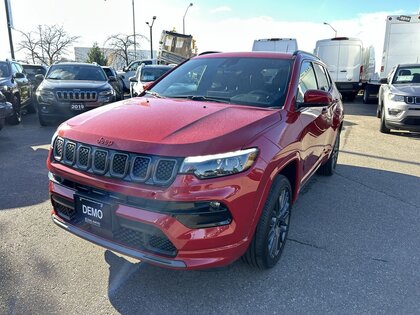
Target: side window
x: 133, y: 66
x: 307, y: 81
x: 323, y: 83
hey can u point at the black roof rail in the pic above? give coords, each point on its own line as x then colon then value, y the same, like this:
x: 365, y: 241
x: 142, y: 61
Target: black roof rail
x: 209, y: 52
x: 302, y: 52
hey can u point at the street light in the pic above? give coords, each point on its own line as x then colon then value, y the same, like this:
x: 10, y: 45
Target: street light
x: 335, y: 31
x: 151, y: 36
x: 183, y: 20
x: 134, y: 31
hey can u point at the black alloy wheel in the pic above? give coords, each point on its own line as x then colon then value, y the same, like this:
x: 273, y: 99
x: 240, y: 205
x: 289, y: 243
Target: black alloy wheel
x: 328, y: 168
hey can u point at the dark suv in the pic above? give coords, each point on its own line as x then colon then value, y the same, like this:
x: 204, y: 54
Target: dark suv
x: 17, y: 88
x: 69, y: 89
x: 205, y: 165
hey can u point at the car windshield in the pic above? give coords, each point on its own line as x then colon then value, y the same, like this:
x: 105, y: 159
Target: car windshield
x: 249, y: 81
x: 4, y: 70
x: 32, y: 71
x: 149, y: 74
x: 76, y: 72
x: 407, y: 75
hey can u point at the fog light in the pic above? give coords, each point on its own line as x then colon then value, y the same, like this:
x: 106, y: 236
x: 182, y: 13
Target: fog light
x: 394, y: 111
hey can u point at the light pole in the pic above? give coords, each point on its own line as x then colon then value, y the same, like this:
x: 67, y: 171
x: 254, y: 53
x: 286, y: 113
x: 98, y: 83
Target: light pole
x: 335, y: 31
x: 151, y: 36
x: 9, y: 26
x: 183, y: 20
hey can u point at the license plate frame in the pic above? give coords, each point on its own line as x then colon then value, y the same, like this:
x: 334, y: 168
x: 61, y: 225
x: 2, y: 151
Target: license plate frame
x: 93, y: 211
x: 77, y: 107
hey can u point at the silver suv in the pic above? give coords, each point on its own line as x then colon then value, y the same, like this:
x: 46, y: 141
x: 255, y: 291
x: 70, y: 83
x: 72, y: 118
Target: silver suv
x: 399, y: 99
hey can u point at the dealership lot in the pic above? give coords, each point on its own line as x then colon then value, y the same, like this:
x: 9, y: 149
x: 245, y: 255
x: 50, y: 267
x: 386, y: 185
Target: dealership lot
x: 353, y: 243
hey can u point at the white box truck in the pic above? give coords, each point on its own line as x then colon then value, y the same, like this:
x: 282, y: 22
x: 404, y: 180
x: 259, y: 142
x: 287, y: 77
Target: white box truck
x: 401, y: 46
x: 344, y: 58
x: 282, y: 45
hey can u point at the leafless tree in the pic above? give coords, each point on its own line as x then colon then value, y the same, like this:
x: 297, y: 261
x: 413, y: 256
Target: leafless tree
x: 121, y: 46
x: 48, y: 45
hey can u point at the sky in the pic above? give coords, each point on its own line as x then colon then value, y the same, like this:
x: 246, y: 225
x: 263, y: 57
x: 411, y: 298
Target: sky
x: 216, y: 25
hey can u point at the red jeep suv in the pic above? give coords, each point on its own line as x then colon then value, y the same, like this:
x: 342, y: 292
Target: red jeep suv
x: 204, y: 167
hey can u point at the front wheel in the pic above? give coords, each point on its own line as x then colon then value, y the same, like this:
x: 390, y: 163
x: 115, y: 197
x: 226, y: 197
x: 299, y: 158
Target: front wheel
x: 328, y: 168
x: 16, y: 116
x: 269, y: 239
x: 382, y: 126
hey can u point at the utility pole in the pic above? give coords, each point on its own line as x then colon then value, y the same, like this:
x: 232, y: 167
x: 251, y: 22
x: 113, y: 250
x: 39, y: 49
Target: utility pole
x: 9, y: 26
x: 151, y: 36
x: 134, y: 31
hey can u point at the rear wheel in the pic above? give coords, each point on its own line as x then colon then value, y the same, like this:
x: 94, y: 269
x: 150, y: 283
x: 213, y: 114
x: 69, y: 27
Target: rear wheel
x: 269, y: 239
x: 328, y: 168
x: 382, y: 126
x: 16, y: 116
x: 366, y: 94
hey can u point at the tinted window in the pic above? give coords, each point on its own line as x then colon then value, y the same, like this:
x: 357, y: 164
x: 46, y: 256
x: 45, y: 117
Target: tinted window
x: 32, y: 71
x: 108, y: 72
x: 149, y: 74
x: 4, y: 69
x: 307, y: 81
x: 323, y: 82
x: 76, y: 72
x: 238, y: 80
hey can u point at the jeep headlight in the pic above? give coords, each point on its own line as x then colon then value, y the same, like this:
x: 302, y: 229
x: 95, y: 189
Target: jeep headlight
x: 106, y: 93
x: 210, y: 166
x: 395, y: 97
x: 45, y: 95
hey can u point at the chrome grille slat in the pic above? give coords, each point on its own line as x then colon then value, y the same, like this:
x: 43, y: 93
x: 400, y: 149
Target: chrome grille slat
x: 76, y: 95
x: 132, y: 167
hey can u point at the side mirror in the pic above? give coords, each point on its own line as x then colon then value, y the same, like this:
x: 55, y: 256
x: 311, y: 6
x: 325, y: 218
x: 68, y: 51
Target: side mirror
x: 39, y: 77
x: 19, y: 75
x: 317, y: 98
x: 112, y: 79
x: 132, y: 79
x: 383, y: 81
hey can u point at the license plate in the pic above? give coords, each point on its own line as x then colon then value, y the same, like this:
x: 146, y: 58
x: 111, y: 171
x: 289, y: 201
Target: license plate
x: 77, y: 106
x: 94, y: 212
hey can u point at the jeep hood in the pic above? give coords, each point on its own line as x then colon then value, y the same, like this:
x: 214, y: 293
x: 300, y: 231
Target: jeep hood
x: 73, y: 84
x: 170, y: 127
x: 405, y: 89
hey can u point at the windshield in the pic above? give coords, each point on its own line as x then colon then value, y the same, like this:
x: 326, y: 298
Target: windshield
x: 149, y: 74
x: 76, y: 72
x: 406, y: 75
x: 4, y: 70
x: 258, y: 82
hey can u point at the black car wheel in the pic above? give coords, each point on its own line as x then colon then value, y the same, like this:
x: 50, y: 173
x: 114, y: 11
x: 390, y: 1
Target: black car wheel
x: 16, y: 116
x: 328, y: 168
x: 382, y: 126
x: 270, y: 235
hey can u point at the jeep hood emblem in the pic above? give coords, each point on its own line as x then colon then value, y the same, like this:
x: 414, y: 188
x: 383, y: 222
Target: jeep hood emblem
x: 104, y: 141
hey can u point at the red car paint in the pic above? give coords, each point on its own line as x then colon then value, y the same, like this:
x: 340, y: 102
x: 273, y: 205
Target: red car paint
x: 299, y: 140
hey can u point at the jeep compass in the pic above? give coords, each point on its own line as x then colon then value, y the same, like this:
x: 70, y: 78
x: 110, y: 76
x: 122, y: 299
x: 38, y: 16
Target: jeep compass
x: 204, y: 167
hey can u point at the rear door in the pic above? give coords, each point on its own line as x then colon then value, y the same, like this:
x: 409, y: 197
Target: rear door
x: 349, y: 61
x: 329, y: 52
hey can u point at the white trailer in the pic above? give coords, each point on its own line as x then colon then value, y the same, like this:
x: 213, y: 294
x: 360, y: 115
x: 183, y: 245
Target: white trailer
x: 401, y: 46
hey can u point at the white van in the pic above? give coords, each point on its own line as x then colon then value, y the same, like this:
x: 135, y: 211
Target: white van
x: 284, y: 45
x: 344, y: 59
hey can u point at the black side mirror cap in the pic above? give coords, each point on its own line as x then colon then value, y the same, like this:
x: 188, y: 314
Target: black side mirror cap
x: 132, y: 79
x: 19, y: 75
x: 383, y: 81
x: 39, y: 77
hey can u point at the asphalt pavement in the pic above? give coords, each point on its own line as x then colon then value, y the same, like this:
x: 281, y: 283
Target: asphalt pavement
x: 354, y: 242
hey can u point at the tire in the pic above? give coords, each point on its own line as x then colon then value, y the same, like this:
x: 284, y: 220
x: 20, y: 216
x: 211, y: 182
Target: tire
x: 31, y: 108
x: 42, y: 121
x: 366, y: 94
x: 270, y: 236
x: 382, y: 126
x: 16, y: 117
x: 328, y: 168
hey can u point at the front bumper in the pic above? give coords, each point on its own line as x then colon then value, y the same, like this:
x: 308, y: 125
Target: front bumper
x: 54, y: 110
x: 402, y: 116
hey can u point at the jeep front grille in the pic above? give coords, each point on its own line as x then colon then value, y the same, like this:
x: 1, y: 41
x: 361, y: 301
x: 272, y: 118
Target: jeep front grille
x: 133, y: 167
x: 76, y: 95
x: 412, y: 100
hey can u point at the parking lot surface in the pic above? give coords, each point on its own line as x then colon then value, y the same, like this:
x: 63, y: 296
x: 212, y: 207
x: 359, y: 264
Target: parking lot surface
x: 353, y: 243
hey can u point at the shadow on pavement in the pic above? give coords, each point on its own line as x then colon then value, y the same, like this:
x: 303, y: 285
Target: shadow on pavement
x: 359, y: 108
x: 327, y: 266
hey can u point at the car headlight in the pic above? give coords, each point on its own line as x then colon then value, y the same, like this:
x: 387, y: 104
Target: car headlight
x: 395, y: 97
x: 45, y: 95
x: 105, y: 93
x: 210, y: 166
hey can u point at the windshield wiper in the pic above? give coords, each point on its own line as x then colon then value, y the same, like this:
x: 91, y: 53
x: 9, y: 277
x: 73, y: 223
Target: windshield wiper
x: 155, y: 94
x: 204, y: 98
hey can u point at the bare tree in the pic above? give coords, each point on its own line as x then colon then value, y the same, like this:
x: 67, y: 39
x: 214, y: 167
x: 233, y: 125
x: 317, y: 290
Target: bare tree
x: 48, y: 45
x: 121, y: 44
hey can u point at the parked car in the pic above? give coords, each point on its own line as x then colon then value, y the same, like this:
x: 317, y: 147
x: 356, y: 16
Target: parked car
x: 6, y: 109
x: 17, y: 88
x: 69, y: 89
x: 399, y: 99
x: 130, y: 70
x: 145, y: 75
x: 117, y: 84
x: 204, y: 168
x: 31, y: 71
